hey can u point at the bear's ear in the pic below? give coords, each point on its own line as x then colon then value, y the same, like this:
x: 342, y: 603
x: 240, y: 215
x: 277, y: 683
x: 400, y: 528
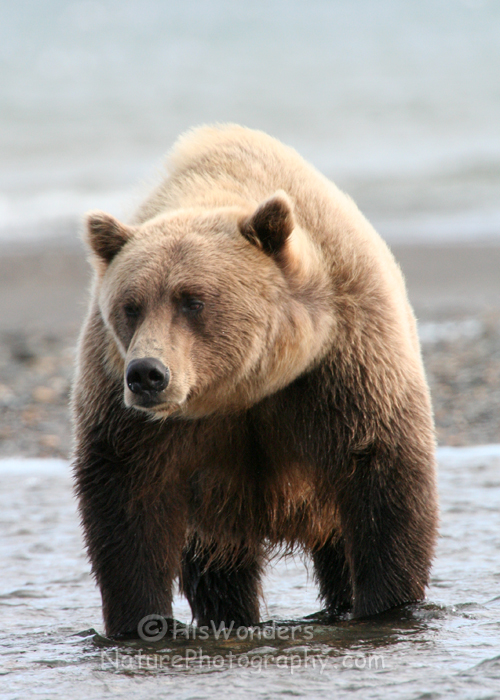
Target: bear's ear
x: 105, y: 235
x: 271, y: 223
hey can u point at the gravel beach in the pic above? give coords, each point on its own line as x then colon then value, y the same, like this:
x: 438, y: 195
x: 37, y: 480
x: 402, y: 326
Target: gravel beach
x: 43, y: 291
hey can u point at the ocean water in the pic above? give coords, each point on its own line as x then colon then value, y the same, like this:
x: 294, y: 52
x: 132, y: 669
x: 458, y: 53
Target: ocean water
x: 51, y: 639
x: 398, y: 102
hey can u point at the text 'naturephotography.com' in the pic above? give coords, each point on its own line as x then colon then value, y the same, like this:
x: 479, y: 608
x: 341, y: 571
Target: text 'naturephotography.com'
x: 254, y: 661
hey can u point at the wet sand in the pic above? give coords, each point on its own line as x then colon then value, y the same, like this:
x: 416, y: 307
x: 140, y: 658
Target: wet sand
x: 43, y: 292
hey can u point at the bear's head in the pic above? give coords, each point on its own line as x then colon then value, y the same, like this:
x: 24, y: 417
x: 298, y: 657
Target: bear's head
x: 209, y: 310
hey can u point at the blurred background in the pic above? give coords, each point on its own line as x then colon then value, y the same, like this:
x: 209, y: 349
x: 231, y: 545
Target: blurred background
x: 397, y: 102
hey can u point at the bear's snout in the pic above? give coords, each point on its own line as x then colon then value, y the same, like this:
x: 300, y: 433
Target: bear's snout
x: 146, y: 378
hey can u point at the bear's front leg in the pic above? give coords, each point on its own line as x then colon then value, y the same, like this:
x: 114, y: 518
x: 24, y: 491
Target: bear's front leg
x: 219, y: 591
x: 334, y: 578
x: 388, y: 510
x: 134, y: 527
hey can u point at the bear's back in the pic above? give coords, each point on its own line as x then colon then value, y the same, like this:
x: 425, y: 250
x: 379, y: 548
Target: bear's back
x: 230, y: 165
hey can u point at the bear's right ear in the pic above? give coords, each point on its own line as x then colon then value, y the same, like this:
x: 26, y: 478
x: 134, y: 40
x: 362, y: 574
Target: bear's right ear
x: 105, y: 235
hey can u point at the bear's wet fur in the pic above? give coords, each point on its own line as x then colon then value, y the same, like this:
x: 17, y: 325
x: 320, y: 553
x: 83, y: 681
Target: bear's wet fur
x: 277, y: 396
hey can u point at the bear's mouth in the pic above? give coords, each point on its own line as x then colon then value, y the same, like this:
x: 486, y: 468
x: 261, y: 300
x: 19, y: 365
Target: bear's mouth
x: 160, y: 411
x: 167, y: 410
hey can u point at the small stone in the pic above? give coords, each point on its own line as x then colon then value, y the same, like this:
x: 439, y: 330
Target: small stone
x: 46, y: 365
x: 51, y: 441
x: 20, y: 349
x: 59, y: 385
x: 6, y: 432
x: 31, y: 415
x: 6, y: 395
x: 44, y: 394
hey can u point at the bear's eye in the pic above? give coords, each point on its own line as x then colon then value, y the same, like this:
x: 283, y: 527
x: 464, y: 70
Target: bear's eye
x: 191, y: 305
x: 132, y: 311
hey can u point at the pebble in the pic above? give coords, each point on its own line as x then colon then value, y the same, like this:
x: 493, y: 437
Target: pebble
x: 51, y: 441
x: 44, y: 394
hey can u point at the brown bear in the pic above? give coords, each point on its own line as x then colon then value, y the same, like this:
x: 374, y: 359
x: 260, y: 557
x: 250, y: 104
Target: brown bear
x: 249, y: 377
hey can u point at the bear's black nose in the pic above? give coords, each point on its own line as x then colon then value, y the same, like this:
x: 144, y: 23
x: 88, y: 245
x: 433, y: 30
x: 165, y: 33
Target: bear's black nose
x: 147, y: 376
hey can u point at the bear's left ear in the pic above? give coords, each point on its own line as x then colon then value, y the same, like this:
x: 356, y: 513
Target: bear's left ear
x: 271, y: 224
x: 105, y: 235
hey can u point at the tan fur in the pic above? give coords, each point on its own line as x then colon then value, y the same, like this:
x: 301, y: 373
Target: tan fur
x: 212, y: 166
x: 338, y: 234
x: 283, y: 341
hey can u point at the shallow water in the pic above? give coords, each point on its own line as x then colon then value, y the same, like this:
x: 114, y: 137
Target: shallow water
x: 448, y: 646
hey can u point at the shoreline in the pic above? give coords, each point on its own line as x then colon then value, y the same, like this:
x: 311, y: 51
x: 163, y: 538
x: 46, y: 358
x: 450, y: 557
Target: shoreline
x: 44, y: 284
x: 455, y: 291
